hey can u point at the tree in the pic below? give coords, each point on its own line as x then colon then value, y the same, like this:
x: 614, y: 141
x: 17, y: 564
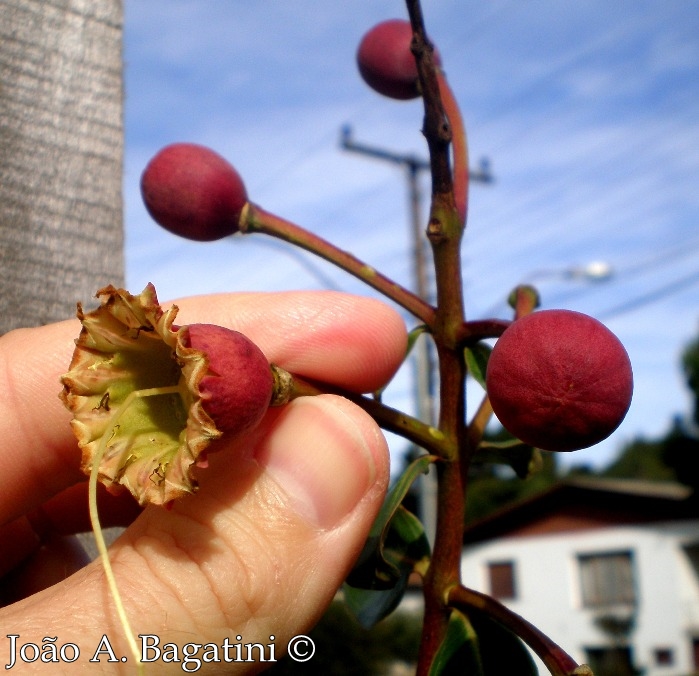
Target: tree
x: 495, y: 486
x: 672, y: 456
x: 343, y: 647
x: 61, y: 149
x: 690, y: 366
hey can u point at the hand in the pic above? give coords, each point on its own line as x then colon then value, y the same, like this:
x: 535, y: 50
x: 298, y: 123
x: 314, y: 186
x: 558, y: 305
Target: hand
x: 258, y: 552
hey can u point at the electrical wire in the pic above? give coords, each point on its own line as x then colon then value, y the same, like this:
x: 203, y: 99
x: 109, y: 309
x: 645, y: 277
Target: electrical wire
x: 653, y: 296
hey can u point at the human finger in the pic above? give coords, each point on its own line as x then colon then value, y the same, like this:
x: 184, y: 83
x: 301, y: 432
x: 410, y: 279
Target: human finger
x: 258, y: 553
x: 346, y: 340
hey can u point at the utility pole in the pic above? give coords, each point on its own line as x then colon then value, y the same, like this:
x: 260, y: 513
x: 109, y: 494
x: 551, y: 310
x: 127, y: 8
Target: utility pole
x: 424, y: 360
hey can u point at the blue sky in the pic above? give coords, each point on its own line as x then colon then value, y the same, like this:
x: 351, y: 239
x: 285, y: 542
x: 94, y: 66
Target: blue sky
x: 588, y: 113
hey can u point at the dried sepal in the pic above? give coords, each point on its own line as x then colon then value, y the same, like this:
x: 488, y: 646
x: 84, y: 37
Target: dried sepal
x: 133, y: 390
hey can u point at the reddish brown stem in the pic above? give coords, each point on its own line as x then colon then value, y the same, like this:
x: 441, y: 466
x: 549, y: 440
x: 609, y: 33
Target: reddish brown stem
x: 444, y: 231
x: 256, y: 219
x: 459, y: 147
x: 444, y: 569
x: 558, y: 662
x: 476, y: 428
x: 390, y: 419
x: 524, y: 299
x: 436, y: 124
x: 471, y: 332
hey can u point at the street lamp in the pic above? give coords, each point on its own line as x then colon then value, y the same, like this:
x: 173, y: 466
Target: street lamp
x: 594, y: 271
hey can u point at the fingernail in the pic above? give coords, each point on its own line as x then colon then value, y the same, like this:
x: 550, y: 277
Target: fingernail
x: 321, y: 459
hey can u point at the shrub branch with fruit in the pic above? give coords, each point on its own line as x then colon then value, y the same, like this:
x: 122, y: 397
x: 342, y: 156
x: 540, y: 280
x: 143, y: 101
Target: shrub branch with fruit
x: 150, y: 398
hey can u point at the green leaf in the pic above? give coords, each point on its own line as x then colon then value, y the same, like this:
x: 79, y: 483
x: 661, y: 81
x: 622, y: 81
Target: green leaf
x: 476, y: 644
x: 404, y: 548
x: 396, y: 545
x: 477, y: 361
x: 502, y: 651
x: 524, y: 459
x: 458, y: 652
x: 413, y: 335
x: 415, y: 469
x: 406, y: 545
x: 373, y: 570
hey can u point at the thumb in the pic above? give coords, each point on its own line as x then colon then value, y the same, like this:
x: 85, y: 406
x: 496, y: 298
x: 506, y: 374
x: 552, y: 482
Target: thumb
x: 255, y: 557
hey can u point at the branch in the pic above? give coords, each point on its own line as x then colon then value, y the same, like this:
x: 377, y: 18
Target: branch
x: 444, y: 231
x: 436, y: 124
x: 558, y: 662
x: 255, y: 219
x: 469, y: 333
x: 414, y: 430
x: 476, y: 428
x: 459, y: 147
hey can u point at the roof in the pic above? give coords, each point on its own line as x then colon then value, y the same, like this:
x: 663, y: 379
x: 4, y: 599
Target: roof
x: 587, y: 503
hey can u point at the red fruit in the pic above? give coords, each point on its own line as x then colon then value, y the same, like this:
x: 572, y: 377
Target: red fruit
x: 238, y: 388
x: 559, y: 380
x: 148, y: 398
x: 386, y: 62
x: 193, y: 192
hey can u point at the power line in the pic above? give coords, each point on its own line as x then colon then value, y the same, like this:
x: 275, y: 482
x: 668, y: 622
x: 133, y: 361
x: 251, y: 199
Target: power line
x: 301, y: 257
x: 651, y: 297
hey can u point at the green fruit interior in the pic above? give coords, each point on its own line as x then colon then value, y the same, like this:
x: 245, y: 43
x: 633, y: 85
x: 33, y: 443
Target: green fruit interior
x: 153, y: 424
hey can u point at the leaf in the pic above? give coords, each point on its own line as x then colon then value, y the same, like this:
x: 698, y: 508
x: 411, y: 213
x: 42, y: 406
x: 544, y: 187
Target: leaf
x: 405, y: 547
x: 372, y: 570
x: 413, y: 335
x: 477, y: 361
x: 501, y: 651
x: 522, y: 458
x: 458, y: 652
x: 395, y: 546
x: 476, y: 644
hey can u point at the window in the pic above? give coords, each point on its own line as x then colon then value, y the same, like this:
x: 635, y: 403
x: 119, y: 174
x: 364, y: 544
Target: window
x: 664, y: 657
x: 607, y: 579
x: 501, y: 576
x: 610, y: 661
x: 695, y: 652
x: 692, y: 553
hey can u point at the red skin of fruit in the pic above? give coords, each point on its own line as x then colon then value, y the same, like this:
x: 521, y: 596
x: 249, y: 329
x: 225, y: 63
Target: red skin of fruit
x: 385, y: 61
x: 559, y: 380
x: 193, y: 192
x: 237, y: 391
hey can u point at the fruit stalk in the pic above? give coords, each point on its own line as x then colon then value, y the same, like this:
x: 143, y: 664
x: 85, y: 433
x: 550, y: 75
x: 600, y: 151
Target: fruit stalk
x: 423, y: 435
x: 459, y: 146
x: 255, y: 219
x: 469, y: 333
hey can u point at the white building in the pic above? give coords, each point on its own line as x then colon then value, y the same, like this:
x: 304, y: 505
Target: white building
x: 608, y: 569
